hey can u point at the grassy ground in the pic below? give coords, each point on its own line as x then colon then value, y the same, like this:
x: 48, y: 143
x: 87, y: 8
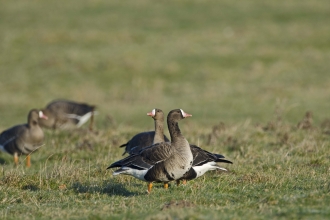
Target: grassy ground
x: 247, y: 71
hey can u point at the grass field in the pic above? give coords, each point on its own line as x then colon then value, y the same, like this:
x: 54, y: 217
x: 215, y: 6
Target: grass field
x: 247, y: 72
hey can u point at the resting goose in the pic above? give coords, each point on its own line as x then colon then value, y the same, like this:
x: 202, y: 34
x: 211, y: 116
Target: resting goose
x: 145, y: 139
x: 64, y: 114
x: 161, y: 162
x: 23, y: 139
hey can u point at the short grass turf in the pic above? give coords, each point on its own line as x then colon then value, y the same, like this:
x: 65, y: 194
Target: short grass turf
x: 247, y: 72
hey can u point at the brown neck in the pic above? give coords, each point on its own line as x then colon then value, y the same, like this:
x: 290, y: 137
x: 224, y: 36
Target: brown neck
x: 159, y: 131
x: 174, y: 130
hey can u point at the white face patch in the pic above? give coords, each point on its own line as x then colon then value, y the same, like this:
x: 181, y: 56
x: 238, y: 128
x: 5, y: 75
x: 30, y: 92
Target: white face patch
x: 40, y: 114
x: 183, y: 113
x: 153, y: 112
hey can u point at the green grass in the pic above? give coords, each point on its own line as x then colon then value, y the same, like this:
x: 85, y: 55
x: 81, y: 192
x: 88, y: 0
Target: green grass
x: 245, y: 64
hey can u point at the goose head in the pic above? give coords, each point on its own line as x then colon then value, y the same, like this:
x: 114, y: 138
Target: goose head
x: 34, y: 116
x: 42, y: 115
x: 156, y: 114
x: 178, y: 114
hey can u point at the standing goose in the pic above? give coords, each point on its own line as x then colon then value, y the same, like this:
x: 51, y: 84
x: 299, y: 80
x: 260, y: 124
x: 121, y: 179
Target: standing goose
x: 161, y: 162
x: 203, y: 160
x: 23, y: 139
x: 159, y: 137
x: 145, y: 139
x: 64, y: 114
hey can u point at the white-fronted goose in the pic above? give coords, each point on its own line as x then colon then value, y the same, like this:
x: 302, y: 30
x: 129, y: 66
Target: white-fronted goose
x: 161, y: 162
x: 65, y: 114
x: 23, y: 139
x: 203, y: 160
x: 158, y: 116
x: 145, y: 139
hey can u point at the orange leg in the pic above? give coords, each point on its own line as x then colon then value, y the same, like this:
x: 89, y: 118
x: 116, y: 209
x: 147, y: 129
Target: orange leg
x: 166, y: 185
x: 149, y: 187
x: 16, y: 159
x: 91, y: 122
x: 28, y: 160
x: 184, y: 182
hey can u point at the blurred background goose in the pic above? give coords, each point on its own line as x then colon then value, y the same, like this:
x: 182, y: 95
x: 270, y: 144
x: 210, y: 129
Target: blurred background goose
x: 24, y: 138
x: 65, y: 114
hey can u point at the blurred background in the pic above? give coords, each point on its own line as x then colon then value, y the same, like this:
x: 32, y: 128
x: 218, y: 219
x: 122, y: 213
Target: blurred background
x: 219, y: 60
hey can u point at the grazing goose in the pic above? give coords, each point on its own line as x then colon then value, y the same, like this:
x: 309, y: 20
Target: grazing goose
x: 145, y: 139
x: 161, y: 162
x: 64, y: 114
x: 23, y: 139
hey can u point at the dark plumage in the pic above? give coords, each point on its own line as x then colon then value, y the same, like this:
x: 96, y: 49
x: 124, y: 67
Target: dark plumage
x: 24, y: 138
x: 161, y: 162
x: 64, y: 114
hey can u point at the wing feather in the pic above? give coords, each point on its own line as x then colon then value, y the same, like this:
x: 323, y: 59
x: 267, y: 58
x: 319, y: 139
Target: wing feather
x: 156, y: 153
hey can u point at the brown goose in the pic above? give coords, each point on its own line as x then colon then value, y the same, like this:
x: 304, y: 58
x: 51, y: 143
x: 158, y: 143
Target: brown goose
x: 64, y: 114
x: 145, y: 139
x: 161, y: 162
x: 159, y: 137
x: 203, y: 160
x: 23, y: 139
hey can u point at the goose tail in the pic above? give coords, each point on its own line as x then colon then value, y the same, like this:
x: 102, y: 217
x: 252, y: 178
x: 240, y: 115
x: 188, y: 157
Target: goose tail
x: 120, y: 170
